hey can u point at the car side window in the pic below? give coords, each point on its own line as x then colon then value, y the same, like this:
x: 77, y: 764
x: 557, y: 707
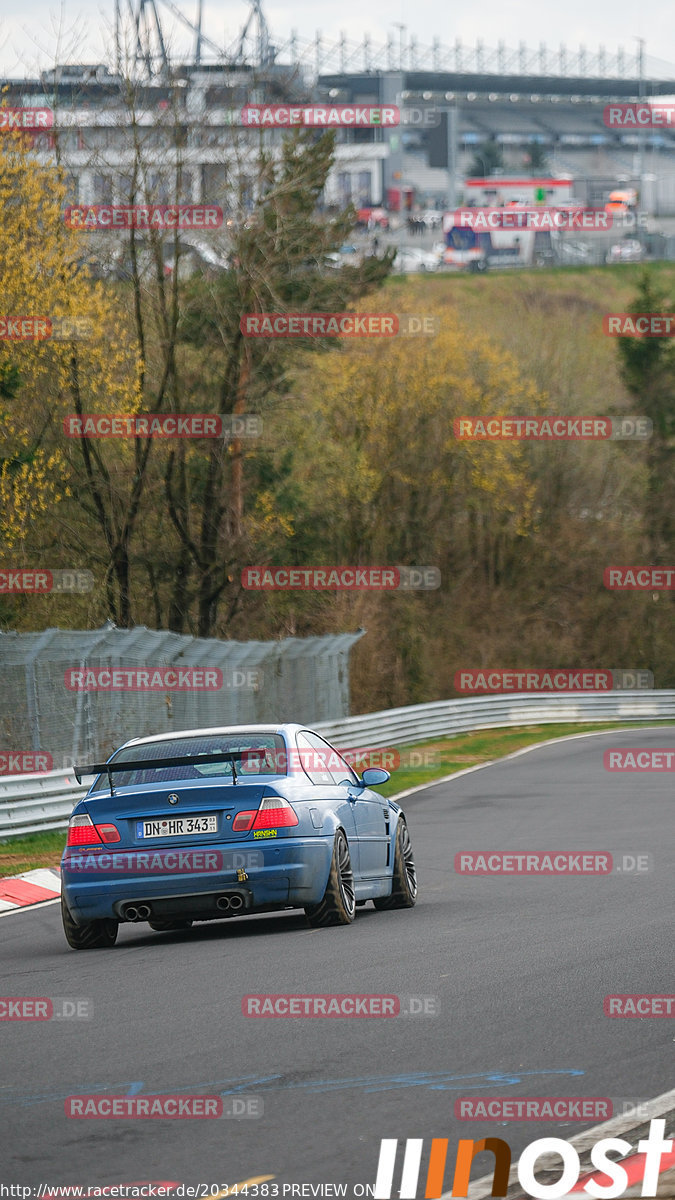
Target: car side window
x: 313, y: 762
x: 335, y: 763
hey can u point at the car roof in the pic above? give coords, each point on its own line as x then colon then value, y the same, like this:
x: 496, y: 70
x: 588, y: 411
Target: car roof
x: 288, y: 729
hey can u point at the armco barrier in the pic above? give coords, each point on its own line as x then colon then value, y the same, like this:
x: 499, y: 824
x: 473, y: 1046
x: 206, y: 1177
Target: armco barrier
x: 32, y: 803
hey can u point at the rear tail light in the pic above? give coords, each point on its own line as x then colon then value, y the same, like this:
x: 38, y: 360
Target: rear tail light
x: 108, y: 833
x: 82, y: 832
x: 274, y: 813
x: 243, y: 821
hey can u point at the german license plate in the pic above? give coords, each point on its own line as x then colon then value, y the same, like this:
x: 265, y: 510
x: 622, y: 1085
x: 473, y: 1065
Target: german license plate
x: 176, y: 826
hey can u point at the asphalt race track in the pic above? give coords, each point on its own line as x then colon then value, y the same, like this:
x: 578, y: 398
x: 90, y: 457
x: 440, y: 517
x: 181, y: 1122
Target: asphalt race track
x: 520, y: 966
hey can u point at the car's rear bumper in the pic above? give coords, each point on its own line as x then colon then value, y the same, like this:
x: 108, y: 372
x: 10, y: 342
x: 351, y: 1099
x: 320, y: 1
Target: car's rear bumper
x: 291, y: 871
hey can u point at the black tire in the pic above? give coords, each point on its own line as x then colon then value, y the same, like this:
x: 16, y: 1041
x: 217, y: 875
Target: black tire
x: 338, y: 905
x: 478, y: 266
x: 168, y: 926
x: 404, y: 878
x: 91, y: 935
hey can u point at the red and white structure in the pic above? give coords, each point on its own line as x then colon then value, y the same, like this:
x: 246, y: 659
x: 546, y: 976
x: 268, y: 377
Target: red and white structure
x: 33, y: 887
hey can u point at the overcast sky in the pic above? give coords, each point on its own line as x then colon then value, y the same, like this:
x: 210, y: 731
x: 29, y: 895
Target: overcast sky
x: 35, y: 34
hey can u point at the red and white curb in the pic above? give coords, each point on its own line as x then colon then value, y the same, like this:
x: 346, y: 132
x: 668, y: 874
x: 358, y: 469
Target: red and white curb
x: 33, y: 887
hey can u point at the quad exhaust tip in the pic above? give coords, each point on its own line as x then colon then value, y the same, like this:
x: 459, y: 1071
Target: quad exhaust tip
x: 142, y: 912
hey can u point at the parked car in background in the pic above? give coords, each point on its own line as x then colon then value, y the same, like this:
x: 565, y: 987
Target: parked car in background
x: 346, y: 256
x: 409, y: 259
x: 630, y: 250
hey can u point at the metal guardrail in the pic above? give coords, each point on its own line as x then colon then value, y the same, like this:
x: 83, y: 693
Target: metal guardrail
x: 36, y: 803
x: 33, y: 803
x: 444, y: 718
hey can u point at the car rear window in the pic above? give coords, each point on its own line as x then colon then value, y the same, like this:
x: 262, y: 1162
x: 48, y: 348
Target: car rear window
x: 261, y: 754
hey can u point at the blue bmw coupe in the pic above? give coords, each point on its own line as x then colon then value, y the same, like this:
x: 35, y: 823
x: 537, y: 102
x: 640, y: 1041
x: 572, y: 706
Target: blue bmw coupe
x: 215, y: 823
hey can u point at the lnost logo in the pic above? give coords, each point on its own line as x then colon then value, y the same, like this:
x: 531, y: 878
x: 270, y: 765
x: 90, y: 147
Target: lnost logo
x: 654, y: 1154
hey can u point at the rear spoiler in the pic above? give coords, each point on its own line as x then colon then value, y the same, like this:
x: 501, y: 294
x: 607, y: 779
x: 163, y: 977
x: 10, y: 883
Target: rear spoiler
x: 157, y: 764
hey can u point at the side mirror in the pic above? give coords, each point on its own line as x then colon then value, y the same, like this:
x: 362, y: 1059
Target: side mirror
x: 374, y: 776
